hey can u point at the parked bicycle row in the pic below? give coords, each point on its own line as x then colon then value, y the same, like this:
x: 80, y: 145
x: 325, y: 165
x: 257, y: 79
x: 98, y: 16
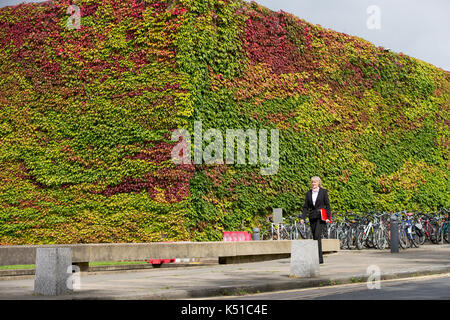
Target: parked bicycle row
x: 369, y: 229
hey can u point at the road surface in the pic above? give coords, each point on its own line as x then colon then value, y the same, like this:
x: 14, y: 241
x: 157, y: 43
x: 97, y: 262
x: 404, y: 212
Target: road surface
x: 436, y: 287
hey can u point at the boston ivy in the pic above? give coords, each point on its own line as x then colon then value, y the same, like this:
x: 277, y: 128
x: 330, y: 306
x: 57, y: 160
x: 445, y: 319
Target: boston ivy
x: 86, y: 117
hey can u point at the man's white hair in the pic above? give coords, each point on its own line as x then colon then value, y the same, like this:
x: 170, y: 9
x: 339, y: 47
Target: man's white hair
x: 316, y: 178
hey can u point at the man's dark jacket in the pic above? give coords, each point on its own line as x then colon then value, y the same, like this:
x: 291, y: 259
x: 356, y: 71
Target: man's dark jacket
x: 322, y: 202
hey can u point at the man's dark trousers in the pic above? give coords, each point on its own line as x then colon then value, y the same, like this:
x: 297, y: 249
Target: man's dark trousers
x: 316, y: 229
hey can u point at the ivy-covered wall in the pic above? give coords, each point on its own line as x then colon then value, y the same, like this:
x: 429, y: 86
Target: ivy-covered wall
x: 86, y: 117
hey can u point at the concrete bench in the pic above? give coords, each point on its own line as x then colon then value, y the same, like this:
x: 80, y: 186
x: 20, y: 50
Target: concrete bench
x: 52, y: 261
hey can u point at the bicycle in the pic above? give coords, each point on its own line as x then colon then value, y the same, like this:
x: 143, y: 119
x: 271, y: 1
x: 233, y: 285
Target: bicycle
x: 292, y: 228
x: 304, y: 230
x: 369, y: 235
x: 278, y: 231
x: 429, y: 229
x: 403, y: 239
x: 332, y: 230
x: 442, y: 233
x: 418, y: 227
x: 381, y: 235
x: 408, y: 236
x: 343, y: 230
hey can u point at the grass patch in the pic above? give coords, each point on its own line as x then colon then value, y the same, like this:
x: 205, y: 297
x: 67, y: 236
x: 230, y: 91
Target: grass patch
x: 18, y: 266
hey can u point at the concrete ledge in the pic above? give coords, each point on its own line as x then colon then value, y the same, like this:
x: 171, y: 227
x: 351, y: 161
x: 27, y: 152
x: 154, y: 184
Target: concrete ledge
x: 82, y: 253
x: 330, y: 245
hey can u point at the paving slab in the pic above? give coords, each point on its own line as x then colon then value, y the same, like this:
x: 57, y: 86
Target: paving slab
x: 219, y: 280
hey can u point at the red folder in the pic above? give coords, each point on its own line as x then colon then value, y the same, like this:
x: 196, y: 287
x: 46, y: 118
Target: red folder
x: 323, y: 215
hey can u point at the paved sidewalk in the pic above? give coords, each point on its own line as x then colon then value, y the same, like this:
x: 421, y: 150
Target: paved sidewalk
x: 218, y: 280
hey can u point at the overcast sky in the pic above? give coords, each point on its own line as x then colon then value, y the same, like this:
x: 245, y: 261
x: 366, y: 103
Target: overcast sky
x: 417, y: 28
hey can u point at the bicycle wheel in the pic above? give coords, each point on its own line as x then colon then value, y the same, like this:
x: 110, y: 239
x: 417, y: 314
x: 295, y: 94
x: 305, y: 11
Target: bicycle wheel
x: 433, y: 234
x: 388, y: 238
x: 360, y: 240
x: 421, y: 238
x: 294, y: 233
x: 446, y: 232
x: 333, y: 232
x: 324, y: 232
x: 308, y: 233
x: 381, y: 238
x: 284, y: 234
x: 403, y: 239
x: 370, y: 241
x: 415, y: 240
x: 412, y: 236
x: 439, y: 234
x: 351, y: 244
x: 302, y: 231
x: 343, y: 239
x: 419, y: 232
x: 267, y: 235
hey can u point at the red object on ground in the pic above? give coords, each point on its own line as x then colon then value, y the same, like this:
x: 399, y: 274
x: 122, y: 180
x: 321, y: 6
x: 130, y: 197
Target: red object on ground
x: 159, y: 262
x: 236, y: 236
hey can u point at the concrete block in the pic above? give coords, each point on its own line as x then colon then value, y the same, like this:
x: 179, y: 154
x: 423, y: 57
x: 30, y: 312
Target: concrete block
x: 12, y: 255
x: 304, y: 258
x: 53, y: 271
x: 211, y: 249
x: 262, y: 247
x: 330, y: 245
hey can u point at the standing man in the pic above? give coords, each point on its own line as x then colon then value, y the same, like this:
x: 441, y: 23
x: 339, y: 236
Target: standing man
x: 316, y: 199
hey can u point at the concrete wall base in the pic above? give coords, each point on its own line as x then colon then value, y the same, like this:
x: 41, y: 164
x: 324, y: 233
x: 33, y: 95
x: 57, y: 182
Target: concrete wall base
x: 253, y: 258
